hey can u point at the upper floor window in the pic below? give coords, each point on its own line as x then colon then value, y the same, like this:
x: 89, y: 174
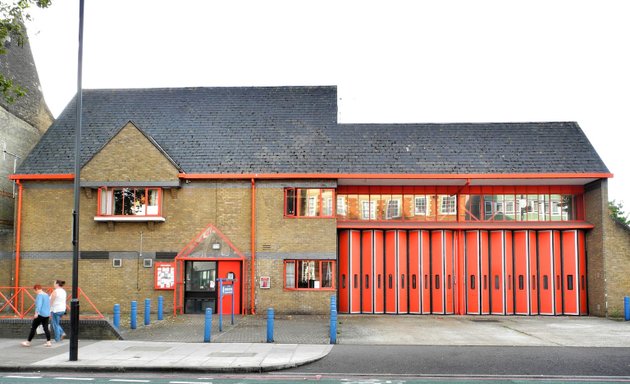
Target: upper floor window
x: 129, y: 201
x: 308, y: 202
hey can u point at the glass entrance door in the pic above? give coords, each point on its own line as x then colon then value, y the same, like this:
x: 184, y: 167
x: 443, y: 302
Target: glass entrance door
x: 200, y: 288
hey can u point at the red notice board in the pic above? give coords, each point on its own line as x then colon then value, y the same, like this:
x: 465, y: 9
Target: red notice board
x: 164, y: 275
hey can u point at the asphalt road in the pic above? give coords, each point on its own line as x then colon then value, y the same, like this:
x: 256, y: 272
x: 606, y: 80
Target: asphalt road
x: 458, y: 360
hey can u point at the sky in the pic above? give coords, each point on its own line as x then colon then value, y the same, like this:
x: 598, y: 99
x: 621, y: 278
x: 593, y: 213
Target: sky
x: 392, y: 61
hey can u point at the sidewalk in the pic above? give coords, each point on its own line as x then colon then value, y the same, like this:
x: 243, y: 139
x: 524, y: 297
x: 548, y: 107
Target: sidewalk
x: 176, y: 344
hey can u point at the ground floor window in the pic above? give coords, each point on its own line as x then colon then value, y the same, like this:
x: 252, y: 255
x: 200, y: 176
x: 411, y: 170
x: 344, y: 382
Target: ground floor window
x: 309, y: 274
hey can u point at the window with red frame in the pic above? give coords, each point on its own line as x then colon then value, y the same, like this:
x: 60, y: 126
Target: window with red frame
x: 129, y: 201
x: 309, y: 202
x: 309, y: 274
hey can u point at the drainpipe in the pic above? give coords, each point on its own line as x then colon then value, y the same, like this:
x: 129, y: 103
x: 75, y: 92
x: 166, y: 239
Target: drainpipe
x: 18, y: 235
x: 253, y: 241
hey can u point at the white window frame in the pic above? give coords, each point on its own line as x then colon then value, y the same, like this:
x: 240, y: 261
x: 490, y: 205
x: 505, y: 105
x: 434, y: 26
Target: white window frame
x: 416, y: 200
x: 398, y: 206
x: 448, y: 205
x: 371, y: 207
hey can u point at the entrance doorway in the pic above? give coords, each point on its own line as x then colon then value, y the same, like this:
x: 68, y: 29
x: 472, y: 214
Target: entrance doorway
x: 200, y: 286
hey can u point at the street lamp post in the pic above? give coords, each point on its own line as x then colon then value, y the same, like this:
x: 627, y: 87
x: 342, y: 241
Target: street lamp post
x: 74, y: 304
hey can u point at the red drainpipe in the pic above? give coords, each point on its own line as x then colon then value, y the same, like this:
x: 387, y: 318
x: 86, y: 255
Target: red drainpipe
x: 253, y: 241
x: 18, y: 237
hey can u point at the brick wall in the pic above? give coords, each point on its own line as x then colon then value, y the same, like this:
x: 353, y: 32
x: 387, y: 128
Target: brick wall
x: 596, y: 202
x: 279, y: 238
x: 617, y: 266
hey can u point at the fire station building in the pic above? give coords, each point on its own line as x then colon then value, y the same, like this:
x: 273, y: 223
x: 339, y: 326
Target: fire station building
x: 262, y: 189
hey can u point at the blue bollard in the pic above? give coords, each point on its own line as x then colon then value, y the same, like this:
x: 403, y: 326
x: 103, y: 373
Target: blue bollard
x: 160, y: 308
x: 207, y: 326
x: 333, y: 302
x: 333, y: 326
x: 133, y: 314
x: 147, y: 311
x: 270, y: 325
x: 117, y: 316
x: 626, y: 307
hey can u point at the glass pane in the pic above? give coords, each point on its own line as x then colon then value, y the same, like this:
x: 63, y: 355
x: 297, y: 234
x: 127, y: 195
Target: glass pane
x: 394, y: 208
x: 308, y: 202
x: 201, y: 276
x: 408, y: 207
x: 473, y: 208
x: 510, y: 207
x: 152, y: 207
x: 289, y: 277
x: 342, y: 207
x: 543, y: 208
x: 327, y: 274
x: 568, y: 207
x: 139, y: 202
x: 327, y: 202
x: 290, y: 202
x: 488, y: 207
x: 367, y: 207
x: 104, y: 194
x: 380, y: 202
x: 447, y: 208
x: 308, y: 274
x: 354, y: 209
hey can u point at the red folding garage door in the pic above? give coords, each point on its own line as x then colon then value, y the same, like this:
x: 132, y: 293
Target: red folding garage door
x: 503, y: 272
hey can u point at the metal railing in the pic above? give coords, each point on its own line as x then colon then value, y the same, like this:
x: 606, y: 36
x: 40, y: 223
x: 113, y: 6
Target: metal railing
x: 19, y: 302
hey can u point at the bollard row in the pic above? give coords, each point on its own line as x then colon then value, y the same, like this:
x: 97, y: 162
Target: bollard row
x: 133, y: 314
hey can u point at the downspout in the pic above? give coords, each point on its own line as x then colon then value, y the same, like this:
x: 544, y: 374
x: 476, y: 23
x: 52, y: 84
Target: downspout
x: 253, y: 245
x: 18, y: 237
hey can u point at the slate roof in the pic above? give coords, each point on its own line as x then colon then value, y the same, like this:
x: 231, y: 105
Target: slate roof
x: 294, y: 130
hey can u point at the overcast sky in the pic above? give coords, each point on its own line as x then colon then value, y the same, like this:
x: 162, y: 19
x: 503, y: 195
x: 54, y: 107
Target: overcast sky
x: 393, y: 61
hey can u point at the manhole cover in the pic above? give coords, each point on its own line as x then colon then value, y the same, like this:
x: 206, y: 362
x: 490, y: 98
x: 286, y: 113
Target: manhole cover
x: 232, y: 354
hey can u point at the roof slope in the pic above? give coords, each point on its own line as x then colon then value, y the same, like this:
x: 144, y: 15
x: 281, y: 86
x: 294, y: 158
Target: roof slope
x: 294, y: 130
x: 469, y: 148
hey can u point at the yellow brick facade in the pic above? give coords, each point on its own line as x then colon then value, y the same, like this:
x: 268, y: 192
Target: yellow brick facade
x: 187, y: 209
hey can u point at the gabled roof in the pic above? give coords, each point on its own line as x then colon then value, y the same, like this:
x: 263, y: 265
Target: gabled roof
x: 294, y: 130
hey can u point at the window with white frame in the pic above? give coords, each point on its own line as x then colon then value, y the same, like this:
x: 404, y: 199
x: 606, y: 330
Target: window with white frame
x: 129, y: 201
x: 420, y: 205
x: 368, y: 210
x: 448, y: 205
x: 393, y: 209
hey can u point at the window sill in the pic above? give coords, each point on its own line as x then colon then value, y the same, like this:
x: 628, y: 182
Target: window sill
x: 309, y: 289
x: 129, y: 219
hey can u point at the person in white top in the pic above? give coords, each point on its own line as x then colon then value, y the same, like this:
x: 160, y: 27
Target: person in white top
x: 58, y: 309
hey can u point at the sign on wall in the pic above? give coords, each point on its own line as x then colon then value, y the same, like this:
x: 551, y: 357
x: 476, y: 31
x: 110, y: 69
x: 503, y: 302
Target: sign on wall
x: 165, y: 275
x: 265, y: 282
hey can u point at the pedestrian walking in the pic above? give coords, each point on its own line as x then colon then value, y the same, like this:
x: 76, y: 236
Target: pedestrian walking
x: 58, y: 309
x: 42, y: 315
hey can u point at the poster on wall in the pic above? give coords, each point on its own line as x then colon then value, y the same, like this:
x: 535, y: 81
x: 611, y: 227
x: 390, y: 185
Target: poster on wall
x: 265, y: 282
x: 165, y: 275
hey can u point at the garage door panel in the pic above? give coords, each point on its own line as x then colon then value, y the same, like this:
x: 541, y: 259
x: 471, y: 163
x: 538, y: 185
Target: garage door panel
x: 367, y: 278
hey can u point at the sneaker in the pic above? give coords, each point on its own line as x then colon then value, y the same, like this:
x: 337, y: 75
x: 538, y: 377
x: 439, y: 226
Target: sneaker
x: 48, y: 344
x: 26, y: 343
x: 63, y: 336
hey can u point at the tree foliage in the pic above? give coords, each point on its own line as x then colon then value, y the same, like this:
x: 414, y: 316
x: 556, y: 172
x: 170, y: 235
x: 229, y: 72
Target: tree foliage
x: 13, y: 13
x: 617, y: 213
